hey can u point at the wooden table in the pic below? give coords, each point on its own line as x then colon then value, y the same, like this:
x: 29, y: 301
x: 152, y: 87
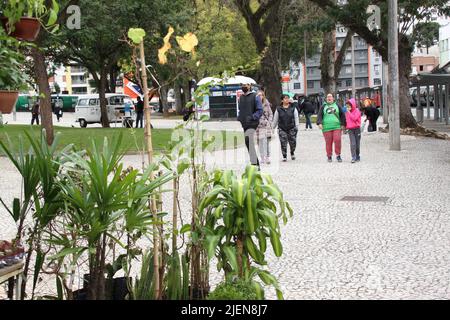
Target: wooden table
x: 8, y: 273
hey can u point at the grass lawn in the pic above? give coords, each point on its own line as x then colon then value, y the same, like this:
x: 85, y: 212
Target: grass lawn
x: 132, y: 142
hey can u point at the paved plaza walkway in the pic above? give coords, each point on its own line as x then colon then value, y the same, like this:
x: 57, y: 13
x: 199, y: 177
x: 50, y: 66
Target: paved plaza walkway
x: 394, y: 245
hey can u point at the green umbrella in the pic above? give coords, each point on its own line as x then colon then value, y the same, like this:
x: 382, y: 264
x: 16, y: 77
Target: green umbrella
x: 291, y: 95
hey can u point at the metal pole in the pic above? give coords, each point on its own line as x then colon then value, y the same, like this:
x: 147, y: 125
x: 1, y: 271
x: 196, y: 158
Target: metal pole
x: 447, y: 92
x: 441, y: 113
x: 385, y: 92
x: 419, y: 111
x: 306, y: 68
x: 394, y: 105
x: 353, y: 66
x: 428, y: 102
x: 436, y: 102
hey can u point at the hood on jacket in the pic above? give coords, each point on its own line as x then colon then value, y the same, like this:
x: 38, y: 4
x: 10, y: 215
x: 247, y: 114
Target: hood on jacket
x: 352, y: 102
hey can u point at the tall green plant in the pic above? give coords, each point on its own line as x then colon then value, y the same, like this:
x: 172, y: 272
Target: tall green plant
x: 40, y: 201
x: 98, y: 202
x: 241, y: 215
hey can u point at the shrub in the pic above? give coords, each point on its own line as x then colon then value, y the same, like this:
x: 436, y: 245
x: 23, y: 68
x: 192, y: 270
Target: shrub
x: 237, y: 290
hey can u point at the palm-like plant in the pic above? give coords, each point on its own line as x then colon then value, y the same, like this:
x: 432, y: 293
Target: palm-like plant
x: 241, y: 213
x: 101, y: 200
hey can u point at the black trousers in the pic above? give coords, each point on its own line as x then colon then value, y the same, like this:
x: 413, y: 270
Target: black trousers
x: 288, y: 137
x: 33, y: 118
x: 139, y: 118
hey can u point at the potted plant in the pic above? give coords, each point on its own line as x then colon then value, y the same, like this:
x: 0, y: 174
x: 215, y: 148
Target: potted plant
x: 22, y: 18
x: 12, y: 78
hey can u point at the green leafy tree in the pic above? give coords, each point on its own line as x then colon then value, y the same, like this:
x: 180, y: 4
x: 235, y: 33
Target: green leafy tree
x: 426, y: 34
x: 353, y: 16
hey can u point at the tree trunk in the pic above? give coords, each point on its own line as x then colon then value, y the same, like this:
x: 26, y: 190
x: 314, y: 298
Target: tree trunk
x: 186, y: 97
x: 178, y: 99
x: 327, y: 72
x: 40, y: 71
x: 112, y: 79
x: 164, y: 102
x: 404, y: 65
x: 103, y: 104
x: 270, y: 78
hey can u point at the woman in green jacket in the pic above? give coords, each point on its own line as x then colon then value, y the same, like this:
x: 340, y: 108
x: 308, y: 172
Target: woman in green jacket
x: 331, y: 120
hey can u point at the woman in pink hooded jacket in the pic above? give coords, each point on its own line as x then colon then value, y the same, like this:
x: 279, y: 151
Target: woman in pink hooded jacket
x: 353, y: 118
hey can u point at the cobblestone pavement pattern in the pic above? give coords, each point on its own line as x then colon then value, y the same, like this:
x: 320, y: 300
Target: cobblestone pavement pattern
x: 333, y: 249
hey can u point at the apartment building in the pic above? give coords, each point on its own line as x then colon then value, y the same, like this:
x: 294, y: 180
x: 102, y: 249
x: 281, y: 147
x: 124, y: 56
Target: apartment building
x: 368, y: 67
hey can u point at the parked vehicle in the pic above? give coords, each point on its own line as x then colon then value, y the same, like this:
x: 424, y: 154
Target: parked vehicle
x: 25, y: 102
x: 87, y: 110
x: 423, y: 95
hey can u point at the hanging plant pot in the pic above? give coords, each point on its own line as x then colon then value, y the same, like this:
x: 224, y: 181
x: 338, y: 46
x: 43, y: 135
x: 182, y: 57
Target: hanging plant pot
x: 26, y: 29
x: 8, y: 100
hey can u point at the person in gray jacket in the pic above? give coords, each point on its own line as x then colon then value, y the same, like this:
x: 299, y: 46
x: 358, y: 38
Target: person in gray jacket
x: 286, y: 118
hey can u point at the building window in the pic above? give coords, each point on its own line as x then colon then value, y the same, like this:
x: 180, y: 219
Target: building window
x: 420, y: 68
x: 339, y: 84
x: 376, y: 81
x: 297, y: 86
x: 348, y: 56
x: 348, y: 70
x: 376, y: 68
x: 310, y: 84
x: 310, y: 70
x: 348, y: 83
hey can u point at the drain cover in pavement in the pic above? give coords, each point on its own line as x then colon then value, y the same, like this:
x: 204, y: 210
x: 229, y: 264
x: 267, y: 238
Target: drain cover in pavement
x: 365, y: 198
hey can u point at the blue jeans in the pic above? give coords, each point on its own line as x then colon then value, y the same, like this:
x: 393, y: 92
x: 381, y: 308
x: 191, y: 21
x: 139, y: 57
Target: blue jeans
x: 308, y: 120
x: 139, y: 118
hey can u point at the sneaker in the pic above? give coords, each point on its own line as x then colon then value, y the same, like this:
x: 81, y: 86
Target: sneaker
x: 338, y: 158
x: 358, y: 158
x: 267, y: 160
x: 292, y: 157
x: 284, y: 159
x: 353, y: 160
x: 329, y: 159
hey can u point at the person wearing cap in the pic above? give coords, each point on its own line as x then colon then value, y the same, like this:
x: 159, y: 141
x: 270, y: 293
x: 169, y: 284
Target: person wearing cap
x: 250, y: 110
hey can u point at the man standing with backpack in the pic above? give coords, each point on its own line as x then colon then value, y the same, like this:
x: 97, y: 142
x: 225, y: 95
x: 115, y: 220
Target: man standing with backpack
x: 331, y: 120
x: 250, y: 111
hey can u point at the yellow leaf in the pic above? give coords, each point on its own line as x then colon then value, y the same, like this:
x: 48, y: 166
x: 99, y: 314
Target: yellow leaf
x: 187, y: 42
x: 168, y: 35
x: 162, y: 52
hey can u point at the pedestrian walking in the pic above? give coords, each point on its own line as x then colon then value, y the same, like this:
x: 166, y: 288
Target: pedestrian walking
x: 353, y: 124
x: 58, y: 108
x: 139, y: 112
x: 286, y: 118
x: 35, y: 113
x: 331, y: 120
x: 264, y: 130
x: 308, y: 110
x: 372, y: 114
x: 250, y: 111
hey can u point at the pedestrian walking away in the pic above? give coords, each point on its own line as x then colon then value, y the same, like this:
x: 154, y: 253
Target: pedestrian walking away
x: 372, y: 114
x: 286, y: 118
x: 264, y: 130
x: 308, y: 110
x: 35, y: 113
x: 353, y: 124
x: 139, y: 112
x: 58, y: 108
x: 331, y: 120
x: 250, y: 111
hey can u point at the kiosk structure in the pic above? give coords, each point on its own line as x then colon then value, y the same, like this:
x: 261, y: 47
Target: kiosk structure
x: 222, y: 102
